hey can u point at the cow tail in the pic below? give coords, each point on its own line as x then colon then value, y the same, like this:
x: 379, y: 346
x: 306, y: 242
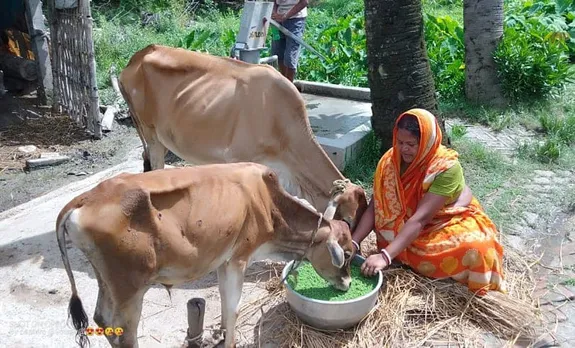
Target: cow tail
x: 75, y: 307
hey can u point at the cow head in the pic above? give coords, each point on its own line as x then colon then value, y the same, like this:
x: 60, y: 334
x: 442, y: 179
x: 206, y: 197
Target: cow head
x: 348, y: 202
x: 331, y: 254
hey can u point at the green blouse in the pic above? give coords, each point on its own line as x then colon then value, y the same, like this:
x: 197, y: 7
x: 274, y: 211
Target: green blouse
x: 449, y: 183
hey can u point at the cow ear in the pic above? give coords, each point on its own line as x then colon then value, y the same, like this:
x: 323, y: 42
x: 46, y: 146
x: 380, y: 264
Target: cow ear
x: 336, y: 253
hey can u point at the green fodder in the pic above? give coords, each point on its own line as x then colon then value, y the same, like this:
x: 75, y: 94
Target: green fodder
x: 310, y: 284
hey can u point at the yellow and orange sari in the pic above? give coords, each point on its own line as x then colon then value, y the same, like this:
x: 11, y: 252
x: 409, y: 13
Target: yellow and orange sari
x: 460, y: 242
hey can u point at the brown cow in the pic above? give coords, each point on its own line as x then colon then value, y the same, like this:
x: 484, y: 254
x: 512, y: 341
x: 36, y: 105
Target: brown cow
x: 209, y: 109
x: 172, y: 226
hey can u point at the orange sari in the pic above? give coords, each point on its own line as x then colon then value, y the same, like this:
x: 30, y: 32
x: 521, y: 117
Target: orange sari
x: 459, y: 242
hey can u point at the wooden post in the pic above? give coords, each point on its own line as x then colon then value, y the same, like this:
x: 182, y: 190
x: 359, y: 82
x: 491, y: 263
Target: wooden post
x: 196, y: 311
x: 94, y: 110
x: 39, y: 41
x: 56, y: 73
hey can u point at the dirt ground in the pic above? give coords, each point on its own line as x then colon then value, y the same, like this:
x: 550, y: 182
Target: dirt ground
x: 23, y: 123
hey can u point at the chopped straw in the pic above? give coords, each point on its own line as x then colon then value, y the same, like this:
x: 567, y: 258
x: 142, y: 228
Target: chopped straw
x: 414, y: 311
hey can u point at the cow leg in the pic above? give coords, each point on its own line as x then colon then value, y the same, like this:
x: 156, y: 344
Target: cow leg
x: 127, y: 312
x: 230, y: 278
x: 104, y: 304
x: 223, y: 294
x: 157, y: 153
x: 146, y: 159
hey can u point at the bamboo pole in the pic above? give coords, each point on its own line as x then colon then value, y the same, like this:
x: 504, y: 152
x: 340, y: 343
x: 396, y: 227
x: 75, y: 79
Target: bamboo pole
x: 56, y: 106
x: 94, y: 110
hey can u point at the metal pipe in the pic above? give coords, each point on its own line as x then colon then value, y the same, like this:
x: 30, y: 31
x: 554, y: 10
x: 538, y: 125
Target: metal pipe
x: 268, y: 60
x: 297, y: 39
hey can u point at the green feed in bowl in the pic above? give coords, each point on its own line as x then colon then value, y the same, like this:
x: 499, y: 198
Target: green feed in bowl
x: 309, y: 284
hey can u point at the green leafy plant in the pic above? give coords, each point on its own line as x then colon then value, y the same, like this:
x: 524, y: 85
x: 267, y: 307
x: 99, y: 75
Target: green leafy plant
x: 343, y: 44
x: 446, y: 52
x: 557, y: 15
x: 531, y: 59
x: 560, y: 134
x: 457, y: 132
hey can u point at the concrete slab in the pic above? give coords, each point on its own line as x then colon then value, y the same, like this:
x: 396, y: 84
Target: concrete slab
x: 339, y: 125
x: 35, y: 289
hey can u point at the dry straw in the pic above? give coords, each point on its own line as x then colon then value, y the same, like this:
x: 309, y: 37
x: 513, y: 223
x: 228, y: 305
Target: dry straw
x: 414, y: 311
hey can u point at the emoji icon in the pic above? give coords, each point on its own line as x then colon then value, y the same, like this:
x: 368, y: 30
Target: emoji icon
x: 99, y: 331
x: 89, y: 331
x: 109, y: 331
x: 119, y: 331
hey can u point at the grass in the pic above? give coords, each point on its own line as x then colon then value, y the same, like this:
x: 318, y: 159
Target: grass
x: 451, y: 8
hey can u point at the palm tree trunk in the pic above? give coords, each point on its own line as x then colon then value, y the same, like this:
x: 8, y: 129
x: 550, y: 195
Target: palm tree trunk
x: 399, y: 74
x: 483, y: 26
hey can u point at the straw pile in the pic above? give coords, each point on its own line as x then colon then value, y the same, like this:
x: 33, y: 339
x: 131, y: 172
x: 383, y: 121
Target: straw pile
x: 414, y: 311
x: 48, y: 134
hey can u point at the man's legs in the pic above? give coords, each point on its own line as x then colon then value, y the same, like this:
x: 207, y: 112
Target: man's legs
x: 292, y: 48
x: 278, y: 49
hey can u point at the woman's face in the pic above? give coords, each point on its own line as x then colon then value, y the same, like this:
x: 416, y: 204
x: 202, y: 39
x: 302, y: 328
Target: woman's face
x: 407, y: 144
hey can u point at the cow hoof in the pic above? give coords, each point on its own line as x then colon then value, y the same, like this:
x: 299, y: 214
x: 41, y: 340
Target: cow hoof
x: 217, y: 339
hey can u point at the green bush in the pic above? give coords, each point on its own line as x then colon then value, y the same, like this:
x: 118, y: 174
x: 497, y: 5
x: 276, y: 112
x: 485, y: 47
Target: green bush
x: 446, y: 53
x: 560, y: 134
x: 342, y: 42
x: 557, y: 15
x: 216, y: 35
x: 531, y: 60
x: 116, y: 40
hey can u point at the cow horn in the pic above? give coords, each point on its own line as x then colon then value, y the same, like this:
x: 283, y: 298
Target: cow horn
x: 338, y: 187
x: 330, y: 210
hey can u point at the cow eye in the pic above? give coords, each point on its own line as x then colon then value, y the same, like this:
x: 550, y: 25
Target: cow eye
x: 347, y: 255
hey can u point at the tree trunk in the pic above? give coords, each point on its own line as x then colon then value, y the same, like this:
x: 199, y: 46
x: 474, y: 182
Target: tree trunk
x: 483, y: 26
x: 399, y: 74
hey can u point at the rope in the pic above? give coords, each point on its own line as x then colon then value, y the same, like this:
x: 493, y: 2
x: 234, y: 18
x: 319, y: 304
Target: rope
x: 196, y: 338
x: 305, y: 252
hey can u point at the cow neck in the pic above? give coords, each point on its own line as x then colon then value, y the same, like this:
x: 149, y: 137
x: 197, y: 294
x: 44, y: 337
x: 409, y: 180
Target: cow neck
x: 296, y: 264
x: 295, y: 240
x: 316, y: 183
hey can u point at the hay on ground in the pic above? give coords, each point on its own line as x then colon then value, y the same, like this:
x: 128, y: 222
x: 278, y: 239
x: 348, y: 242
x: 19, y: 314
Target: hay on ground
x: 414, y: 311
x: 48, y: 134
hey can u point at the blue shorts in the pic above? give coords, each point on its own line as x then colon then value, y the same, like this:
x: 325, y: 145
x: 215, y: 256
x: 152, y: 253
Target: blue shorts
x: 286, y: 48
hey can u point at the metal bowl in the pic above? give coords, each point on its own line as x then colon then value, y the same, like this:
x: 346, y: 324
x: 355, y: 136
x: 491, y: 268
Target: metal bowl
x: 332, y: 315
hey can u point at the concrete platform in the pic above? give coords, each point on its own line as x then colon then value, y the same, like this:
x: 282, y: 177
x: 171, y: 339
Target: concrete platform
x: 340, y: 125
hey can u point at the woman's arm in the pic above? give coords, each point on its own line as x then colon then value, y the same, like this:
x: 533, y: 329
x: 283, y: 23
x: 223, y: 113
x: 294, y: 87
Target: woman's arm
x: 365, y: 225
x: 464, y: 198
x: 429, y: 205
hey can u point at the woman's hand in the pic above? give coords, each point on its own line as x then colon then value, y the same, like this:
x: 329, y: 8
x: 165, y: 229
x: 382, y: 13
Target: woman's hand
x: 374, y: 263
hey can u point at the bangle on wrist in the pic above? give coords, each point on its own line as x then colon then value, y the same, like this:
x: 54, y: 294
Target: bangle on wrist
x: 356, y: 244
x: 386, y: 256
